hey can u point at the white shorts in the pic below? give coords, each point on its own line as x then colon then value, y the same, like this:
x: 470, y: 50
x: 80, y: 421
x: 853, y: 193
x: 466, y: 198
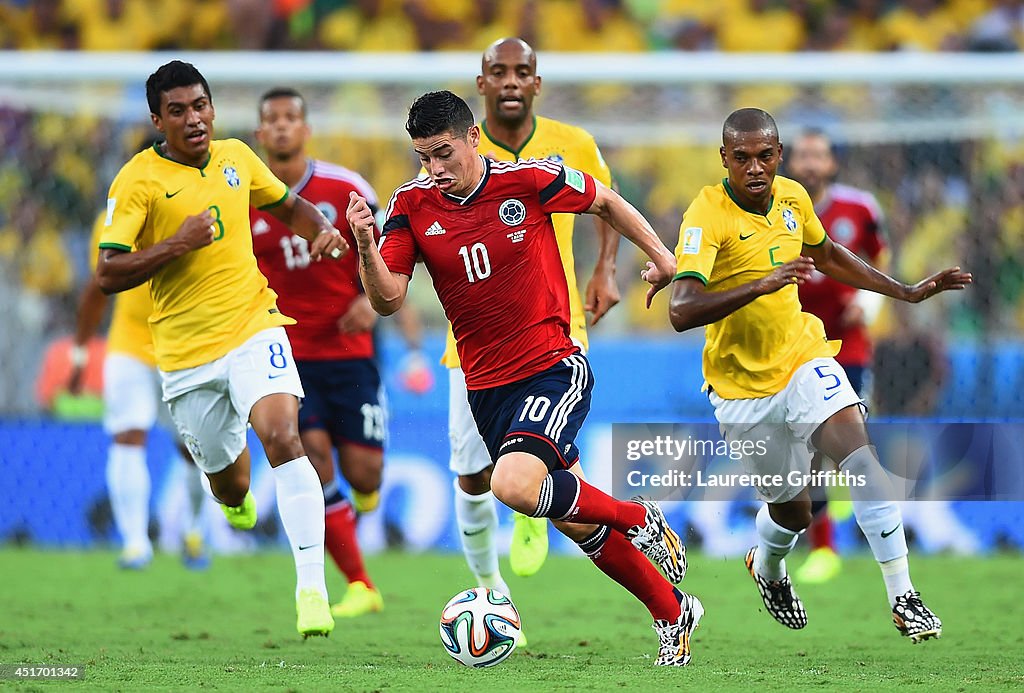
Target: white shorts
x: 210, y: 404
x: 782, y: 424
x: 468, y: 452
x: 131, y: 394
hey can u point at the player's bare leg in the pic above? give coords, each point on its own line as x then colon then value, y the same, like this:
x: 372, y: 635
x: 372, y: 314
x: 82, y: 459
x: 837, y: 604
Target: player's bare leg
x: 340, y: 538
x: 363, y: 469
x: 823, y: 562
x: 844, y: 437
x: 128, y: 486
x: 300, y: 505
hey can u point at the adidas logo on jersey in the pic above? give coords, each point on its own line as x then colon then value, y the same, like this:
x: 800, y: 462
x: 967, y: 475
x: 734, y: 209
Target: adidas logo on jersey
x: 435, y: 230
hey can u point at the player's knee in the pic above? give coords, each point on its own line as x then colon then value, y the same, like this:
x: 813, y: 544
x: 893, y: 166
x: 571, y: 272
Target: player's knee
x: 476, y: 484
x: 795, y: 516
x: 282, y: 444
x: 230, y: 490
x: 517, y: 491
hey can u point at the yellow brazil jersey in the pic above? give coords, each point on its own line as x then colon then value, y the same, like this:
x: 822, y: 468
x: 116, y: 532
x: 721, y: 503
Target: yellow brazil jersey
x: 754, y: 351
x: 129, y: 325
x: 210, y: 300
x: 575, y: 147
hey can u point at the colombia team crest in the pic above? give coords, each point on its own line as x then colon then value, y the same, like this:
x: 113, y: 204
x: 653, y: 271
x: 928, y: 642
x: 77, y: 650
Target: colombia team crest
x: 512, y: 212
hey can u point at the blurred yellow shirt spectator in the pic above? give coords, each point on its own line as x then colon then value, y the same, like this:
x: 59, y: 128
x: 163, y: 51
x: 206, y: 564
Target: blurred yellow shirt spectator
x: 761, y: 27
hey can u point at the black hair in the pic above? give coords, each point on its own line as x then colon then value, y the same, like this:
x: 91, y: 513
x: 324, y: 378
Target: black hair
x: 284, y: 93
x: 171, y: 76
x: 747, y: 120
x: 437, y: 112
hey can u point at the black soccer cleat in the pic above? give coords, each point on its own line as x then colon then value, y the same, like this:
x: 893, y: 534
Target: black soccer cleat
x: 779, y: 598
x: 915, y: 620
x: 659, y: 542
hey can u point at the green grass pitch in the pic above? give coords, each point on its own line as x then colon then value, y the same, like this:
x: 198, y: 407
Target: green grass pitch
x: 232, y: 628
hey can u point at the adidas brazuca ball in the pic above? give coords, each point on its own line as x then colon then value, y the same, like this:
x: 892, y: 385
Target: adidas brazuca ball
x: 480, y: 627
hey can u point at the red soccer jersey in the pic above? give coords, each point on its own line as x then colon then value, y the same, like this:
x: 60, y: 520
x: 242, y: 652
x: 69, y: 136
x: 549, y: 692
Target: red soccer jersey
x: 494, y: 262
x: 316, y: 294
x: 852, y: 218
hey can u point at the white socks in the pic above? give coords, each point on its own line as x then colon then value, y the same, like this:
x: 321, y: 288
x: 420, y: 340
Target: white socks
x: 878, y: 517
x: 300, y: 504
x: 477, y: 518
x: 128, y: 486
x: 774, y: 542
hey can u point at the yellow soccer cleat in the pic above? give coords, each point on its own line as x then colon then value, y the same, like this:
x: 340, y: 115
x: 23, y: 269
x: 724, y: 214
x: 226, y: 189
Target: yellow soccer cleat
x: 365, y: 502
x: 821, y: 566
x: 529, y: 548
x: 360, y: 599
x: 244, y: 515
x: 314, y: 613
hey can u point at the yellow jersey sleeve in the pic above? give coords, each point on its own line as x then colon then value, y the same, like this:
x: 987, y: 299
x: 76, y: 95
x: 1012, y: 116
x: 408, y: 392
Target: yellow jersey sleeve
x: 265, y: 190
x: 127, y: 208
x: 698, y: 242
x: 814, y: 230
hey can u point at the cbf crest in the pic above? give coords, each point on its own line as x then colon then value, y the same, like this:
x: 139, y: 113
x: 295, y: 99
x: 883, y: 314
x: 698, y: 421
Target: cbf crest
x: 231, y: 176
x: 789, y: 220
x: 512, y: 212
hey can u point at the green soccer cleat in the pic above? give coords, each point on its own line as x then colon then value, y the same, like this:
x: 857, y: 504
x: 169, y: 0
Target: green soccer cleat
x: 314, y: 613
x: 244, y: 515
x: 821, y: 566
x: 359, y: 599
x: 529, y: 548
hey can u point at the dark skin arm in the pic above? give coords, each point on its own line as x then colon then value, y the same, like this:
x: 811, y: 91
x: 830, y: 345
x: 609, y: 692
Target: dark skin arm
x: 91, y: 306
x: 839, y: 263
x: 693, y: 306
x: 118, y: 270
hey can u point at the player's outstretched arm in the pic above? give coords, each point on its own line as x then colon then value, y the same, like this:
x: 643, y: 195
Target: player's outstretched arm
x: 624, y: 218
x: 839, y: 263
x: 385, y: 289
x: 306, y: 220
x: 693, y: 305
x: 120, y: 270
x: 602, y: 292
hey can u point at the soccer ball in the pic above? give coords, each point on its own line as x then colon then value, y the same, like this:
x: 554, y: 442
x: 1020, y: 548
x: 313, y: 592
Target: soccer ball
x: 480, y: 627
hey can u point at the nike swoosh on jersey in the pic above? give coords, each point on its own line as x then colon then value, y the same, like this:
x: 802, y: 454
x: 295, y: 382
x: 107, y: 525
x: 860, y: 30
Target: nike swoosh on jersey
x: 169, y: 195
x: 276, y: 375
x: 743, y: 238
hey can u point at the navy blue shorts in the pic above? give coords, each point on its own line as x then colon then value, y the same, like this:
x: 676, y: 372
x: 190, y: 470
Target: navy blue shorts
x: 539, y: 415
x: 346, y: 399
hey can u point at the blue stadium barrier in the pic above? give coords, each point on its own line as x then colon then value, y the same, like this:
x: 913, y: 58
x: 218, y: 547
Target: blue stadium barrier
x: 54, y: 493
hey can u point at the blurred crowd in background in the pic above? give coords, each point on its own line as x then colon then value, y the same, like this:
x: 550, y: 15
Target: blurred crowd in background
x: 949, y: 197
x: 430, y: 25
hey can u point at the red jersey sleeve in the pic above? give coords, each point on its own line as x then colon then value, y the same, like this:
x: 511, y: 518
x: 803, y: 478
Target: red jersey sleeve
x: 874, y: 231
x: 397, y: 245
x: 564, y: 189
